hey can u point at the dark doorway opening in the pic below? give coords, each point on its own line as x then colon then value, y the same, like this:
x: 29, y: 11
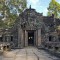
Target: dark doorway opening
x: 50, y: 38
x: 11, y: 38
x: 31, y: 38
x: 1, y: 39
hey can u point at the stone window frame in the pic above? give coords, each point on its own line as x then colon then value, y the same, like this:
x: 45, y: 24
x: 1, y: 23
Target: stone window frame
x: 52, y: 38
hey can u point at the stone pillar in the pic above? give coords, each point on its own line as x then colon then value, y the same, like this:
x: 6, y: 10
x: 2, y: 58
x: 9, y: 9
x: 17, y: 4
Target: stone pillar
x: 36, y: 38
x: 39, y: 37
x: 22, y: 38
x: 3, y: 38
x: 8, y: 38
x: 19, y: 37
x: 36, y: 42
x: 26, y: 38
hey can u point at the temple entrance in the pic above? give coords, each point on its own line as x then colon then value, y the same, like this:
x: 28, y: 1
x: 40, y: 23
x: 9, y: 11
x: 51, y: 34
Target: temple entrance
x: 31, y: 38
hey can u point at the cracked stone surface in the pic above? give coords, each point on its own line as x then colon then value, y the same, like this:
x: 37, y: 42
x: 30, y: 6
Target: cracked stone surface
x: 28, y: 53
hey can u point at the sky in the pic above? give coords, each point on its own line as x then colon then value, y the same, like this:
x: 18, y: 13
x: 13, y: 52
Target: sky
x: 40, y: 5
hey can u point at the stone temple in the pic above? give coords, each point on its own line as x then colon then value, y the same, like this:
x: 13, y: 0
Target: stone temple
x: 32, y: 29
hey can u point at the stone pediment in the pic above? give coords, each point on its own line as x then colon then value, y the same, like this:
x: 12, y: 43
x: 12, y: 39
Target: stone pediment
x: 31, y: 25
x: 30, y: 19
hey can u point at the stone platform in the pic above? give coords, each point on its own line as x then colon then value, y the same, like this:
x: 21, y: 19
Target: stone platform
x: 28, y: 53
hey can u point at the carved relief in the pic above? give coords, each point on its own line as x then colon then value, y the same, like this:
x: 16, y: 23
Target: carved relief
x: 31, y: 22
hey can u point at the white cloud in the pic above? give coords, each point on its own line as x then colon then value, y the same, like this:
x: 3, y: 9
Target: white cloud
x: 58, y: 1
x: 34, y: 1
x: 37, y: 4
x: 45, y: 12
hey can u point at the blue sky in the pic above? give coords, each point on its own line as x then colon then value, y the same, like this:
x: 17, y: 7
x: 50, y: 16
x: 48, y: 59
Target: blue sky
x: 40, y: 5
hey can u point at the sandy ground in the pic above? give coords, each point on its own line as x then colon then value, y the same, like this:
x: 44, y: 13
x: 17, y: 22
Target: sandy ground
x: 28, y: 53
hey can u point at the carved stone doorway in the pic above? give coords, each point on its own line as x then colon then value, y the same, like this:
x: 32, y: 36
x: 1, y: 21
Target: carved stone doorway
x: 30, y: 38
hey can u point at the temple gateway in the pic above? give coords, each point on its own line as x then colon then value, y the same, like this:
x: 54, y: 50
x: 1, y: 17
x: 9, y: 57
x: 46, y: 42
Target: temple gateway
x: 33, y: 29
x: 27, y: 29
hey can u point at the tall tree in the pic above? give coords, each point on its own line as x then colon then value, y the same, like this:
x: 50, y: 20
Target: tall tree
x: 10, y: 9
x: 54, y: 8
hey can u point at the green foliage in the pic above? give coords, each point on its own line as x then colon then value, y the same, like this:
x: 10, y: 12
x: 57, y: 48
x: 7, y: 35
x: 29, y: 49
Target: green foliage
x: 17, y: 3
x: 54, y: 8
x: 5, y: 11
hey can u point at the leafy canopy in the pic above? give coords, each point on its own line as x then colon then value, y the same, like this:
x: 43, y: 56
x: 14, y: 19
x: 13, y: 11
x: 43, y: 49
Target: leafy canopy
x: 9, y: 10
x: 54, y: 8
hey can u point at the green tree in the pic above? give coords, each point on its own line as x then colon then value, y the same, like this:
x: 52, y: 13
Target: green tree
x: 10, y: 9
x: 54, y: 8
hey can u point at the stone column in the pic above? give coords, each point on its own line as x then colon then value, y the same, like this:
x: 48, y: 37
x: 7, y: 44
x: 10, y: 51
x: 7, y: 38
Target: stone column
x: 22, y: 38
x: 19, y: 37
x: 8, y: 38
x: 36, y: 38
x: 3, y: 38
x: 26, y: 38
x: 39, y: 37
